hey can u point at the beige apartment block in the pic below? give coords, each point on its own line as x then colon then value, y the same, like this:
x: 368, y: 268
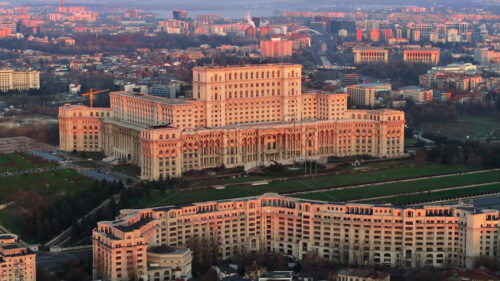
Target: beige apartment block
x: 362, y: 234
x: 19, y: 80
x: 361, y: 95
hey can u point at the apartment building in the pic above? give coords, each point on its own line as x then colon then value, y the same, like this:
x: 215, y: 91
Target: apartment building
x: 276, y: 48
x: 362, y: 234
x: 370, y: 55
x: 19, y: 80
x: 16, y: 262
x: 361, y: 95
x: 239, y: 116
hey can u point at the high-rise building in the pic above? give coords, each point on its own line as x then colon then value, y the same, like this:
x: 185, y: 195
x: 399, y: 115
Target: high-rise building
x: 361, y: 95
x: 375, y: 35
x: 239, y: 116
x: 348, y: 233
x: 370, y: 55
x: 336, y: 25
x: 276, y: 48
x: 359, y: 34
x: 179, y: 14
x: 19, y: 80
x: 16, y: 262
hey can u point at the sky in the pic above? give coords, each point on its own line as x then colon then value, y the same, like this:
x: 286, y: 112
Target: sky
x: 239, y: 8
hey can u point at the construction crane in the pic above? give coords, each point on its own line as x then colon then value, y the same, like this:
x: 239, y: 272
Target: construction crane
x: 92, y: 93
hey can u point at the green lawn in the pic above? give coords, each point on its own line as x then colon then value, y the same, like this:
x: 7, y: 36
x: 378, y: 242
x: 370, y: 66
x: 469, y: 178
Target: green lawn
x: 440, y: 195
x: 21, y: 161
x: 296, y: 185
x: 66, y: 181
x: 403, y: 187
x: 474, y: 127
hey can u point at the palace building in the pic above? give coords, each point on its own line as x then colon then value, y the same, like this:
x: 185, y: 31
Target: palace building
x: 358, y: 234
x: 422, y: 55
x: 371, y: 55
x: 19, y: 80
x: 238, y: 116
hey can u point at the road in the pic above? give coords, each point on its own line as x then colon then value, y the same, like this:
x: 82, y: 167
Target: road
x: 55, y: 261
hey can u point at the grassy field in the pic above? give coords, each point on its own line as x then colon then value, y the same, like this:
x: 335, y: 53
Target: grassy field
x: 58, y: 182
x: 403, y: 187
x: 474, y: 127
x: 21, y: 161
x: 296, y: 185
x: 440, y: 195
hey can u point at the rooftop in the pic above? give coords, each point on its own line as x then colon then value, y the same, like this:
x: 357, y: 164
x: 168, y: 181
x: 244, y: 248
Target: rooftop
x: 153, y: 98
x: 234, y: 67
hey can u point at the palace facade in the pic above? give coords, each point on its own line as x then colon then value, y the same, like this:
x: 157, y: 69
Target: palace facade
x: 239, y: 116
x: 359, y: 234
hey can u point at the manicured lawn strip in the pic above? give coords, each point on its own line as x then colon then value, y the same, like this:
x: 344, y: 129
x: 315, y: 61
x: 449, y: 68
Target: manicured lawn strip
x: 359, y: 178
x: 294, y: 185
x: 440, y: 195
x: 66, y: 181
x: 21, y: 161
x: 403, y: 187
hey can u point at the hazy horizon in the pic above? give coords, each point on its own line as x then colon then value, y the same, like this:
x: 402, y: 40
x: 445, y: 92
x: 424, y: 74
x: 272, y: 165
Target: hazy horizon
x: 239, y: 8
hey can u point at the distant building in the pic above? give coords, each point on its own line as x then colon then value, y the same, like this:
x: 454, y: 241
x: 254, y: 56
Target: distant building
x: 351, y: 274
x: 276, y: 48
x: 208, y: 18
x: 170, y: 91
x: 441, y: 96
x: 337, y: 25
x: 16, y: 262
x: 485, y: 56
x: 361, y: 95
x: 350, y: 79
x: 370, y: 55
x: 422, y: 55
x: 19, y: 80
x: 179, y: 14
x: 74, y: 88
x: 379, y: 88
x: 375, y: 35
x: 415, y: 93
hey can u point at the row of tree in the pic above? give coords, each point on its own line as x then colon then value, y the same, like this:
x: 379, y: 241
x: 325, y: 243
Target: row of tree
x: 51, y: 217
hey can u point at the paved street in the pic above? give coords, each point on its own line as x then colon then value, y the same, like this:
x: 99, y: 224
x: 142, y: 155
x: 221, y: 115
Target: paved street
x: 54, y: 261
